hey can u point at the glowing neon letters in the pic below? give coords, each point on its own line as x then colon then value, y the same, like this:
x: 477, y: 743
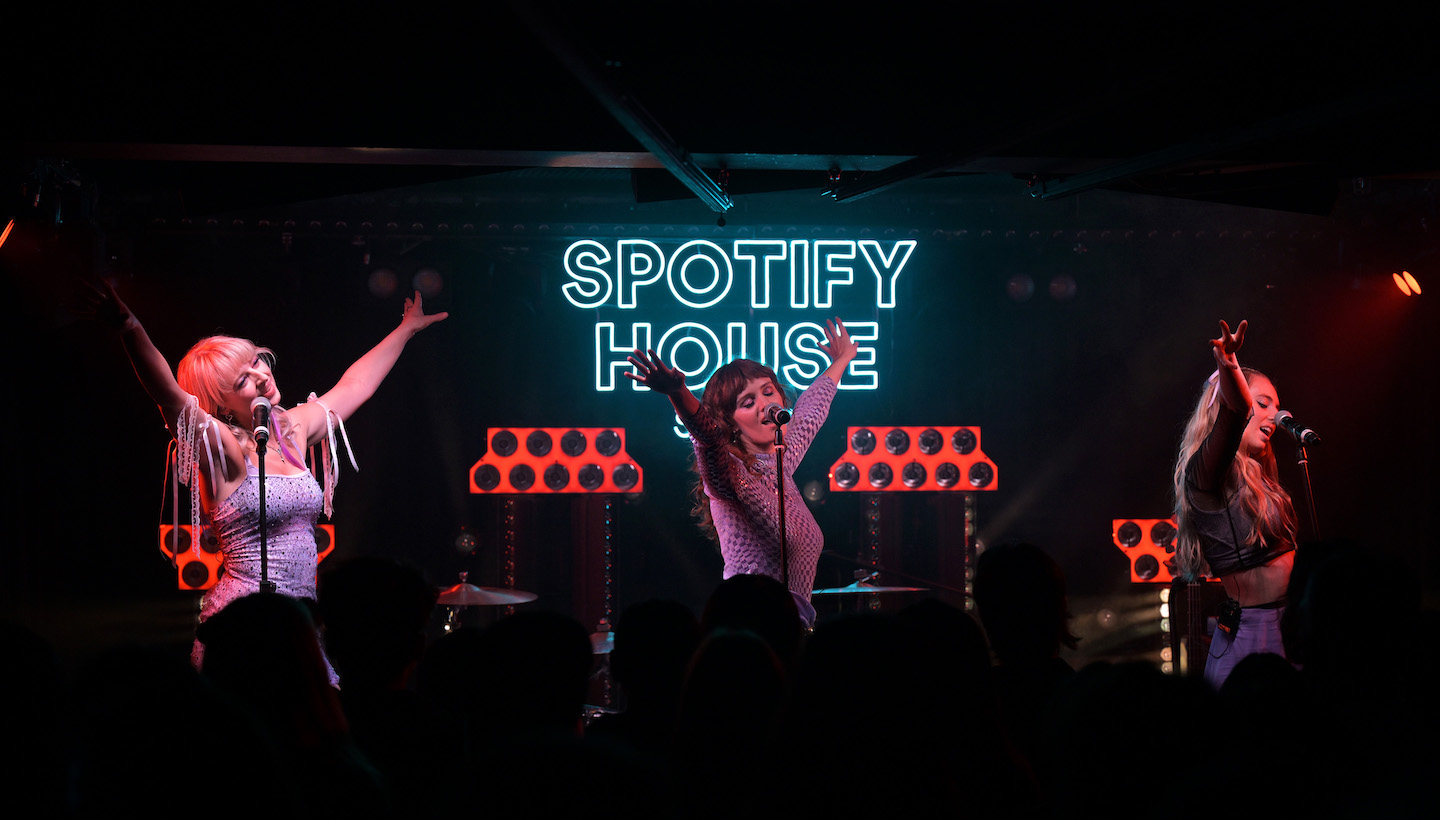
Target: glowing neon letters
x: 700, y: 274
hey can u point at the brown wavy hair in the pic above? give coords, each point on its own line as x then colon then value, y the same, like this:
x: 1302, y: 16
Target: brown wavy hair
x: 1255, y: 480
x: 719, y: 398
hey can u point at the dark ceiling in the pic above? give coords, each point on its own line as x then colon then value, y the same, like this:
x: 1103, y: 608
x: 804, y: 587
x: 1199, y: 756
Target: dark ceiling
x: 1275, y: 107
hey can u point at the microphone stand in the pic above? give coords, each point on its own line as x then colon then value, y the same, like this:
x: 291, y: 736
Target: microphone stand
x: 1303, y: 459
x: 780, y: 504
x: 261, y: 440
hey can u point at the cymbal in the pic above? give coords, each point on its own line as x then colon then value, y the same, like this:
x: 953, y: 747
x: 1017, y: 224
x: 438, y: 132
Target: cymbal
x: 471, y: 595
x: 859, y: 587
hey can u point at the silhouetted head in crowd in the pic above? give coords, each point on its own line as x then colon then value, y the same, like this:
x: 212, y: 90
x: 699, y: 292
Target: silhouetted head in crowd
x: 654, y: 642
x: 1020, y: 592
x: 375, y: 611
x: 955, y: 647
x: 758, y: 604
x: 263, y: 650
x: 732, y: 700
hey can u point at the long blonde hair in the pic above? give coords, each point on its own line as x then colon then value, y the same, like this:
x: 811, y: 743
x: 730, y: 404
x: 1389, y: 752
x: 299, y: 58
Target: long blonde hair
x: 1255, y: 481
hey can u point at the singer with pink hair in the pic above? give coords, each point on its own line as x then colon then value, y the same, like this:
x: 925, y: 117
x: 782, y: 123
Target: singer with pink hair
x: 208, y: 406
x: 733, y: 434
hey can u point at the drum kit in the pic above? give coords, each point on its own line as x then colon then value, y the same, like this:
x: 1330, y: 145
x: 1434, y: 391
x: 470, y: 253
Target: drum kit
x: 463, y: 595
x: 862, y: 586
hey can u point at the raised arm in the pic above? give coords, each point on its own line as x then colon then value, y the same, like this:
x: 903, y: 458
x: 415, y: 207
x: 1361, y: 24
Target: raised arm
x: 1205, y: 474
x: 150, y: 366
x: 840, y: 348
x: 362, y: 378
x: 656, y: 375
x: 159, y: 381
x: 1234, y: 390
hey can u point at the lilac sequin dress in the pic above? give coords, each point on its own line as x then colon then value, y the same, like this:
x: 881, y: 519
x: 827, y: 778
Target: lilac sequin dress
x: 743, y: 503
x: 292, y: 504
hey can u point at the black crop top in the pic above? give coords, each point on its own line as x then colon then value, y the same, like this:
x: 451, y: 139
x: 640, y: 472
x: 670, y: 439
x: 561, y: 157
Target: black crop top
x: 1221, y: 531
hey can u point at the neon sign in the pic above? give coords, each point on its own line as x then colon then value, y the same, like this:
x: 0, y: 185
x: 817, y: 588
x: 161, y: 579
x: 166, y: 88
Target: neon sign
x: 801, y: 274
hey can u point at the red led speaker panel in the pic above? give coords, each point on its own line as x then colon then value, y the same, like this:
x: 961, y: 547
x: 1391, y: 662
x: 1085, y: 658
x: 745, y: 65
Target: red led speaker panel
x: 1149, y: 543
x: 556, y: 460
x: 198, y: 561
x: 885, y: 458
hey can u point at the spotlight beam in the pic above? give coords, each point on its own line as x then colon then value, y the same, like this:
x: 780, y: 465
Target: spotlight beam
x: 628, y: 111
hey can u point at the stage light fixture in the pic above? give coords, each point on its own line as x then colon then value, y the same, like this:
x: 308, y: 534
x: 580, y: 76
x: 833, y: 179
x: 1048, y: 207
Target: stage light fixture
x: 1146, y: 567
x: 964, y: 441
x: 880, y: 475
x: 573, y: 443
x: 1020, y: 287
x: 1162, y: 534
x: 556, y: 476
x: 522, y: 477
x: 625, y: 476
x: 382, y: 283
x: 465, y: 542
x: 862, y: 441
x: 931, y: 441
x: 504, y: 444
x: 947, y: 475
x: 608, y: 443
x: 814, y: 491
x: 428, y: 281
x: 540, y: 467
x: 591, y: 477
x: 1063, y: 288
x: 912, y: 475
x: 198, y: 562
x: 1149, y: 544
x: 897, y: 441
x: 486, y: 477
x: 981, y: 475
x: 927, y: 466
x: 1407, y: 283
x: 538, y: 443
x: 1129, y: 534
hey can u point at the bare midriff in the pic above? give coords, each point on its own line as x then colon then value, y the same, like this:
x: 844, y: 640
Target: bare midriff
x: 1263, y: 584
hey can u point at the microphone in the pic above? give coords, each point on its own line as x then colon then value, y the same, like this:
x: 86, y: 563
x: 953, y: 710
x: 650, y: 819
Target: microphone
x: 260, y: 416
x: 1302, y: 434
x: 775, y: 414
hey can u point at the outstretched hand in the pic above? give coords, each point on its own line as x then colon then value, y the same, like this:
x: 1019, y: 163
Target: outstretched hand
x: 838, y: 344
x: 654, y: 373
x: 415, y: 317
x: 1228, y: 344
x: 101, y: 303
